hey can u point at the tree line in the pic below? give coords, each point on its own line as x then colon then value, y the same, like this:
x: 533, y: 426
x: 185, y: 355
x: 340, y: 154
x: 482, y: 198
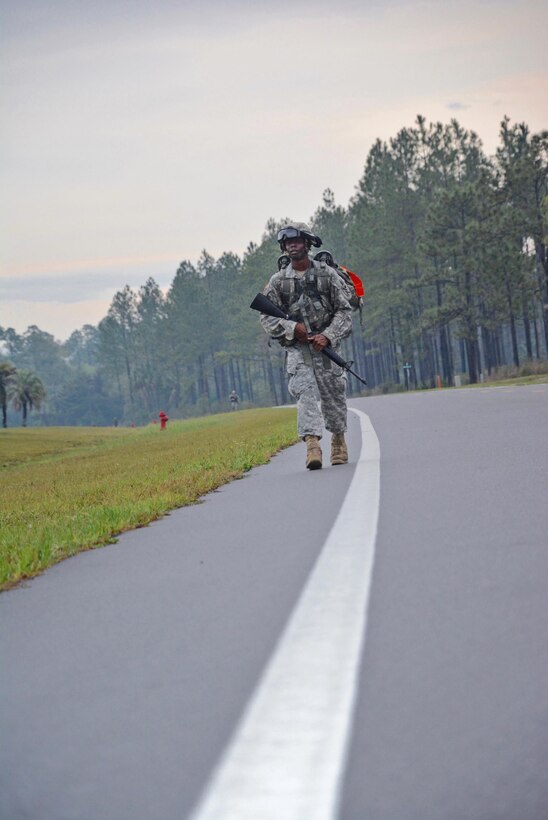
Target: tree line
x: 451, y: 245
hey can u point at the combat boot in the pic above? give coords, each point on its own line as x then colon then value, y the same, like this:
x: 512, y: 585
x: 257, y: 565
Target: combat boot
x: 339, y: 452
x: 313, y: 453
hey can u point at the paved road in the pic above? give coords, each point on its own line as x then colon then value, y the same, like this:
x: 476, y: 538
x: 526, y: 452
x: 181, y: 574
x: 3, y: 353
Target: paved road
x: 125, y: 670
x: 452, y: 717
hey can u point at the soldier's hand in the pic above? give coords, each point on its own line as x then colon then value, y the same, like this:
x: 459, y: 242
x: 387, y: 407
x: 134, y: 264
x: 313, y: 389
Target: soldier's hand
x: 300, y: 332
x: 319, y: 341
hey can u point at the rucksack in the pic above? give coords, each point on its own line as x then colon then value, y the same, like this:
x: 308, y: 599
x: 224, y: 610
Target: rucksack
x: 351, y: 282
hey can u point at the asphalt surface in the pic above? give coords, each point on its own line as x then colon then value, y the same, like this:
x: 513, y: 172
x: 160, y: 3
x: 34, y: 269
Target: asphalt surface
x: 124, y: 670
x: 452, y: 717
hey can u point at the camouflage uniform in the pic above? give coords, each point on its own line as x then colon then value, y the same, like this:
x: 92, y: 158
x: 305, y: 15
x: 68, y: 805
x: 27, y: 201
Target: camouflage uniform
x: 318, y: 297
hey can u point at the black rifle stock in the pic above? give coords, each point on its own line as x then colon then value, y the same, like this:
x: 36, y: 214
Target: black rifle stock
x: 263, y: 304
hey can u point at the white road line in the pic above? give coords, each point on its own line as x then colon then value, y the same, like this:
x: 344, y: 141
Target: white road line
x: 287, y: 757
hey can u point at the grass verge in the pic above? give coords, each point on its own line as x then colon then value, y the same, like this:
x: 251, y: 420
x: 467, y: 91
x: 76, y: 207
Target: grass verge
x: 530, y: 373
x: 510, y: 382
x: 63, y: 490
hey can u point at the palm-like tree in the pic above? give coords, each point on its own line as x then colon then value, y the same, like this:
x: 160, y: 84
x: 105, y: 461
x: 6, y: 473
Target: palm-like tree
x: 26, y: 392
x: 7, y: 370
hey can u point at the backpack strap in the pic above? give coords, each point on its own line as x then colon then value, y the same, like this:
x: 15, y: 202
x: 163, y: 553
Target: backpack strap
x: 288, y: 288
x: 322, y: 277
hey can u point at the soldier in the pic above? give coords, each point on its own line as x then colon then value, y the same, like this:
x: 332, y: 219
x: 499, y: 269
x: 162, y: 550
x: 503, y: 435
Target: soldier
x: 312, y: 293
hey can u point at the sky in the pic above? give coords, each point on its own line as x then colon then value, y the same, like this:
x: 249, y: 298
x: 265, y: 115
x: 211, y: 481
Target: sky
x: 136, y: 134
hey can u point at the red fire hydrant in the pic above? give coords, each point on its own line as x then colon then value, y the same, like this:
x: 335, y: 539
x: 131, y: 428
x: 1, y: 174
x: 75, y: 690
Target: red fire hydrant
x: 163, y: 419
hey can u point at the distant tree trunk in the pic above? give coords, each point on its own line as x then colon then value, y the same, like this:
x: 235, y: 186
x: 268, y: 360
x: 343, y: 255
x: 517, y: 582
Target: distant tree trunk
x: 446, y: 364
x: 512, y: 326
x: 240, y: 389
x: 375, y: 357
x: 472, y: 356
x: 282, y: 378
x: 216, y: 378
x: 436, y: 354
x: 393, y: 351
x: 232, y: 374
x: 224, y: 381
x: 129, y: 377
x: 248, y: 378
x: 499, y: 347
x: 445, y: 351
x: 463, y: 358
x: 471, y: 331
x: 542, y: 260
x: 527, y: 329
x: 428, y: 359
x: 201, y: 379
x: 537, y: 345
x: 488, y: 348
x: 178, y: 389
x: 24, y: 408
x: 385, y: 368
x: 271, y: 380
x: 515, y: 352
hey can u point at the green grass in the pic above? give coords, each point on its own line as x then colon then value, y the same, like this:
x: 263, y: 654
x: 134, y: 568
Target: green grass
x: 63, y: 490
x: 34, y: 444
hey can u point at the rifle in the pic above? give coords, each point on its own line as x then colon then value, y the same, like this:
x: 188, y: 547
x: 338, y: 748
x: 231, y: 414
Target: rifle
x: 264, y: 305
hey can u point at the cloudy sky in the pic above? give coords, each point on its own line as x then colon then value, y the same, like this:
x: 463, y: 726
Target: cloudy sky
x: 134, y: 134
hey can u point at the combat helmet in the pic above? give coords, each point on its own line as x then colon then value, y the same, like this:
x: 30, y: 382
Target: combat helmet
x: 294, y: 229
x: 283, y: 261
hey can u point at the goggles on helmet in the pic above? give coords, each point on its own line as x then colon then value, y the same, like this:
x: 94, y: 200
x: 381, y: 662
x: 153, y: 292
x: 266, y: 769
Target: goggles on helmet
x: 288, y: 233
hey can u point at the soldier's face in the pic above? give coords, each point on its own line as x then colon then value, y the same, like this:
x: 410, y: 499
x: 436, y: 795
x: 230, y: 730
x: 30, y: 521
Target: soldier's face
x: 295, y: 248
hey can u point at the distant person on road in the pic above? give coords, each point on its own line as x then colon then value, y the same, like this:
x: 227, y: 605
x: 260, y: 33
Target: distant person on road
x: 312, y: 293
x: 234, y: 399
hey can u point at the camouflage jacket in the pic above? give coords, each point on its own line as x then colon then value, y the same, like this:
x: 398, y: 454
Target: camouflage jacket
x: 315, y: 297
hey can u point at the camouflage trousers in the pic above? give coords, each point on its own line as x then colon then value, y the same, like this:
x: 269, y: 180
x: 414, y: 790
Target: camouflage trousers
x: 319, y: 387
